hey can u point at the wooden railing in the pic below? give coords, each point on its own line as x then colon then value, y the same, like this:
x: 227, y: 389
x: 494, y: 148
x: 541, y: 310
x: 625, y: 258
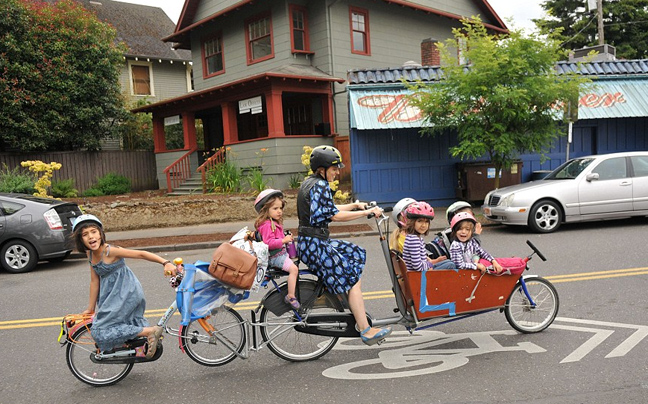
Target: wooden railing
x: 216, y: 158
x: 178, y: 171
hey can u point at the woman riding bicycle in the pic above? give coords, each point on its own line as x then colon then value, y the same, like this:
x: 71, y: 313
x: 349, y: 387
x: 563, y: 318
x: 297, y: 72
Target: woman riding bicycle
x: 339, y: 263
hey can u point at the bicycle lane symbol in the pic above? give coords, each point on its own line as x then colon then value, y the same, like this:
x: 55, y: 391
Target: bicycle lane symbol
x: 422, y: 354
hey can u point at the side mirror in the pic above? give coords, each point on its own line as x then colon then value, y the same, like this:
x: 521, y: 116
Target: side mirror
x: 592, y: 176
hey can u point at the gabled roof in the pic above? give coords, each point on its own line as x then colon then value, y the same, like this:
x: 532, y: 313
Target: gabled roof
x: 186, y: 22
x: 434, y: 73
x: 140, y: 27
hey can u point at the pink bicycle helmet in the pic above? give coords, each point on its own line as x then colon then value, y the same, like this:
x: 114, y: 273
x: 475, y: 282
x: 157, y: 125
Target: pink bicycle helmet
x: 264, y: 196
x: 461, y: 216
x: 419, y: 209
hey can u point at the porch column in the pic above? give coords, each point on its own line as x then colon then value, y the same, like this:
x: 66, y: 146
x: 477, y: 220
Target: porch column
x: 275, y: 114
x: 159, y: 141
x: 189, y: 130
x: 328, y: 114
x: 230, y: 129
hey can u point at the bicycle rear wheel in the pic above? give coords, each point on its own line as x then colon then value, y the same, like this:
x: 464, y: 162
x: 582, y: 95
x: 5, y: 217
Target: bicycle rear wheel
x: 280, y: 333
x: 525, y: 318
x: 217, y: 340
x: 78, y: 360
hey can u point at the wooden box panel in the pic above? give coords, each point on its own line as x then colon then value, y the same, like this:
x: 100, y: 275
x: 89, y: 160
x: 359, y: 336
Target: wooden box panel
x: 443, y: 293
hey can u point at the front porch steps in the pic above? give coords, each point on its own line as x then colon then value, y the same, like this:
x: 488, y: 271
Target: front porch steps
x: 191, y: 186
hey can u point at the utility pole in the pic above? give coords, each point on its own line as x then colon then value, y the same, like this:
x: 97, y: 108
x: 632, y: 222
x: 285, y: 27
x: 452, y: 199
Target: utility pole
x: 599, y: 17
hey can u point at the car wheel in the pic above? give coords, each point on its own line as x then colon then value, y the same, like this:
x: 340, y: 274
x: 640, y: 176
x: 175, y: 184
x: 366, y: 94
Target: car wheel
x: 18, y: 256
x: 545, y: 217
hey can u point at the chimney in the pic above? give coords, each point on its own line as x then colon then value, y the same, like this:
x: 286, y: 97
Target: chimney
x: 430, y: 52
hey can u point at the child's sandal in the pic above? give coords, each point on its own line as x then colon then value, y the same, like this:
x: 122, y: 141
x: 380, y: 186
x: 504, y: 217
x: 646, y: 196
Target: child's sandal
x: 293, y: 302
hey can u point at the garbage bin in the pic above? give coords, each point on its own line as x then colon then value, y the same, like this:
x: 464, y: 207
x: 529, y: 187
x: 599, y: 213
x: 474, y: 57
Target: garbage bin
x: 477, y: 179
x: 539, y: 174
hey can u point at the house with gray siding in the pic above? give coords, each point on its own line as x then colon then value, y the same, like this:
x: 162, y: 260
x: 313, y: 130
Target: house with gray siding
x: 272, y: 75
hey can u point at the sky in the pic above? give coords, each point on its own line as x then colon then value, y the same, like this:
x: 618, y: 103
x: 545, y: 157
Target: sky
x: 521, y: 11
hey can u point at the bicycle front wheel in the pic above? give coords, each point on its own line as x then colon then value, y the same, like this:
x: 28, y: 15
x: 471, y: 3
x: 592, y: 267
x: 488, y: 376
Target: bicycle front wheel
x: 529, y: 319
x: 83, y: 368
x: 279, y: 329
x: 215, y: 340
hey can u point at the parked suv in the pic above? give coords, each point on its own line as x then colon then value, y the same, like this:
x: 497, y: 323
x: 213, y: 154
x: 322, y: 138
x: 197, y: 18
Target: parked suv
x: 34, y: 229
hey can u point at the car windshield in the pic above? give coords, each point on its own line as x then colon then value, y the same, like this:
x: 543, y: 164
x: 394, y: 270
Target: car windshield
x: 569, y: 170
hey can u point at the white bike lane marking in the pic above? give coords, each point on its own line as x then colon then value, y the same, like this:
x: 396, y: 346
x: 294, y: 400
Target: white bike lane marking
x: 405, y: 355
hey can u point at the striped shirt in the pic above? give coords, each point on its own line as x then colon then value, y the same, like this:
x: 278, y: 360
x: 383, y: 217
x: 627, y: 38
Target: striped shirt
x: 462, y: 253
x: 415, y: 254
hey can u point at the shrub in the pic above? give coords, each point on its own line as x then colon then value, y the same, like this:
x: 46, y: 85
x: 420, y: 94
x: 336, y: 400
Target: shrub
x: 255, y: 179
x: 224, y: 177
x: 64, y: 189
x: 16, y: 180
x: 295, y: 181
x: 93, y: 192
x: 110, y: 184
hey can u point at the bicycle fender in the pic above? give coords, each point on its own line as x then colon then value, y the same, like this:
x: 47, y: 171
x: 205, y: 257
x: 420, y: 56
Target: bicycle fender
x: 274, y: 300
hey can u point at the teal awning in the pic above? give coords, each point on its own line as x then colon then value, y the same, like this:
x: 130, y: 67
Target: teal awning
x: 388, y: 108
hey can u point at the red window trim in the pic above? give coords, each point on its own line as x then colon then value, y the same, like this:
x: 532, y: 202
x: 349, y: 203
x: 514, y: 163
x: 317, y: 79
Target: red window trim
x: 248, y: 51
x: 219, y: 36
x: 304, y: 11
x: 366, y: 31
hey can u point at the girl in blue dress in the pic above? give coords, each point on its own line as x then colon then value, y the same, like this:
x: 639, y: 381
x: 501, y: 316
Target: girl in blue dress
x: 339, y: 263
x: 116, y: 295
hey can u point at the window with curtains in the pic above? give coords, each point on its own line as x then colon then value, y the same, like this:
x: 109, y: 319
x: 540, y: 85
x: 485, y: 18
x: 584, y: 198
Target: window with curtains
x: 141, y: 80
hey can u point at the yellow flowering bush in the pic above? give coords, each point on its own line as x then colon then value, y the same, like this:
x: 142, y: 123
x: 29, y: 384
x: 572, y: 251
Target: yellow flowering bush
x: 339, y: 196
x: 44, y: 172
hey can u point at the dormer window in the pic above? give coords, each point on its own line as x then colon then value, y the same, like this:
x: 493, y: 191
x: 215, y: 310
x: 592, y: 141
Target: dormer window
x: 299, y: 29
x: 259, y: 38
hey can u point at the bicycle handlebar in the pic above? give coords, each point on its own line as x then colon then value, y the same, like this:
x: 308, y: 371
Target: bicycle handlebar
x: 535, y: 249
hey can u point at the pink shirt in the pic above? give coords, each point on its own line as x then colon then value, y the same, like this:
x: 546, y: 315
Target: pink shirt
x: 273, y: 239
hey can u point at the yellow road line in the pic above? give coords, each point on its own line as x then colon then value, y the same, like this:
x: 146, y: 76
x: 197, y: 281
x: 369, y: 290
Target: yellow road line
x: 374, y: 295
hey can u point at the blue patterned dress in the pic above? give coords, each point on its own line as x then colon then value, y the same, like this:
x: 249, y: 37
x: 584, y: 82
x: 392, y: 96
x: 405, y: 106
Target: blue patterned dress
x: 119, y: 315
x: 339, y: 263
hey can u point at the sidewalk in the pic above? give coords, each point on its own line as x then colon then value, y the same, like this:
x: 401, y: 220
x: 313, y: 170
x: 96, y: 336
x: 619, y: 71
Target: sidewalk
x: 230, y: 228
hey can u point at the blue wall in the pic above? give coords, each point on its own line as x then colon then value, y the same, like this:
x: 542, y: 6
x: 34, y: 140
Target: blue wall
x: 391, y: 164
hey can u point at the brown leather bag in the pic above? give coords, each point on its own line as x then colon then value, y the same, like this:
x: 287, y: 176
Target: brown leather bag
x: 233, y: 266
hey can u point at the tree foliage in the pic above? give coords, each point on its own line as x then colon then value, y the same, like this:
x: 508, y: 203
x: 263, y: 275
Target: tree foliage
x: 59, y: 77
x: 504, y: 102
x: 625, y: 25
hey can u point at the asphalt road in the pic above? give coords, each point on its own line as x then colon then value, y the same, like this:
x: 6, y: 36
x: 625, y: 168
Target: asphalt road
x: 595, y: 352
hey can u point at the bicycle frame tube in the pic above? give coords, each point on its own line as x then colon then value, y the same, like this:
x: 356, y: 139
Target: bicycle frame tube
x: 526, y: 292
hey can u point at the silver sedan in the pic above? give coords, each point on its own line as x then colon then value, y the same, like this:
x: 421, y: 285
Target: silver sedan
x: 607, y: 186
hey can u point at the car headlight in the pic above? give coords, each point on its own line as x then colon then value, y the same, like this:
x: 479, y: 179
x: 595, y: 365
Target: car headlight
x: 487, y: 198
x: 507, y: 201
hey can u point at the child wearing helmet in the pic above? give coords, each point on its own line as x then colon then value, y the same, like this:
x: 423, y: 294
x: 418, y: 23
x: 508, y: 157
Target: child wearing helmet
x: 116, y: 295
x: 465, y: 252
x: 338, y: 263
x: 269, y: 223
x: 417, y: 219
x: 397, y: 238
x: 439, y: 247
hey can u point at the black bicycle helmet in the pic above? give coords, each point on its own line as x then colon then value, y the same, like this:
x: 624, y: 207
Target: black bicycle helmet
x: 325, y: 156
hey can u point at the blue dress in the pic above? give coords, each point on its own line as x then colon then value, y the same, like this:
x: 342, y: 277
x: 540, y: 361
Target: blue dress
x: 339, y: 263
x: 120, y: 307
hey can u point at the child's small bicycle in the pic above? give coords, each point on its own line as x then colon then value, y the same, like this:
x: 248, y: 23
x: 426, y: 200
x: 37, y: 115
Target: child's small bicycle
x: 212, y: 333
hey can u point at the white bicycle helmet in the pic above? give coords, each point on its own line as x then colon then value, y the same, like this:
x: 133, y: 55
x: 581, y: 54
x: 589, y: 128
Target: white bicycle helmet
x: 400, y: 207
x: 452, y: 209
x: 86, y: 218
